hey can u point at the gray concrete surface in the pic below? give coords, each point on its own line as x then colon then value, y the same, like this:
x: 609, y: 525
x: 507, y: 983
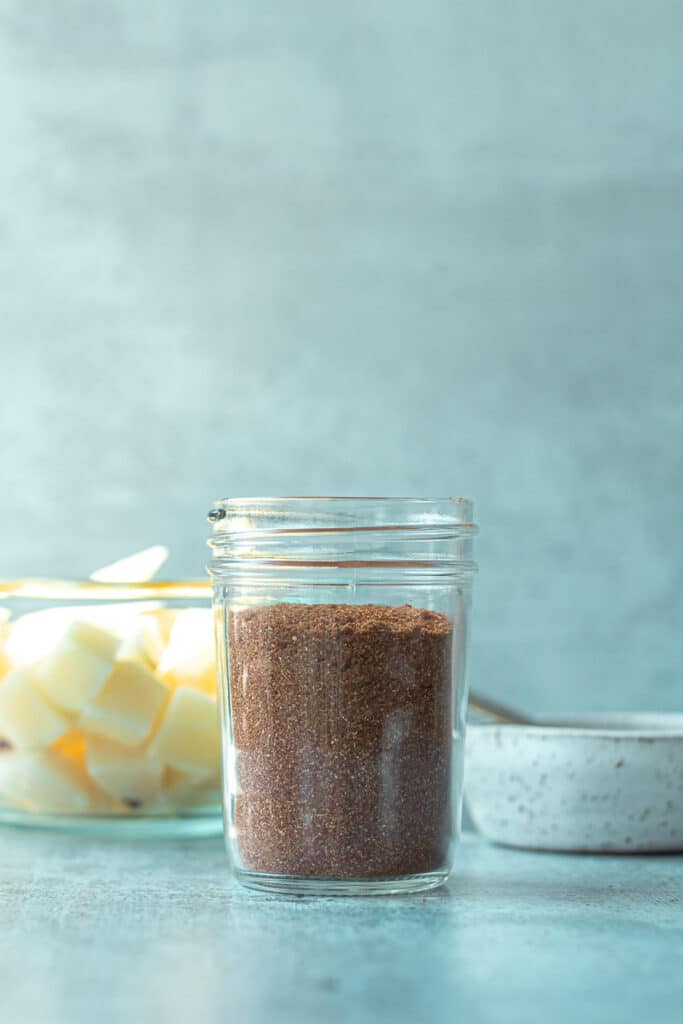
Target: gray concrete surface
x: 405, y: 248
x: 151, y: 932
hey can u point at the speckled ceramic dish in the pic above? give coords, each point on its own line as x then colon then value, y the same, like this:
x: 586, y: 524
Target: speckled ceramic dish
x: 604, y: 782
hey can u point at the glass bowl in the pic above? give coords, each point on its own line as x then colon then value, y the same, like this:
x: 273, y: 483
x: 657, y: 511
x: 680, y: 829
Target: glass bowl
x: 108, y: 714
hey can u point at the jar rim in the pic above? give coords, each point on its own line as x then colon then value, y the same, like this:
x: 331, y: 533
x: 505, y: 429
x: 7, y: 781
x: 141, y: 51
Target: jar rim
x: 362, y: 512
x: 343, y: 497
x: 340, y: 535
x: 409, y: 499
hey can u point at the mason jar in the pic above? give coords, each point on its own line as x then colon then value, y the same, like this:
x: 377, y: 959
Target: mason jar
x: 341, y: 638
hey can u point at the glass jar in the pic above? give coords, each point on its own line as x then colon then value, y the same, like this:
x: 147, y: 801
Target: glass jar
x: 108, y: 714
x: 342, y: 630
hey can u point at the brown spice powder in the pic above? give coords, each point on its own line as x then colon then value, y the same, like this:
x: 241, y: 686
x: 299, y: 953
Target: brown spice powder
x: 342, y: 718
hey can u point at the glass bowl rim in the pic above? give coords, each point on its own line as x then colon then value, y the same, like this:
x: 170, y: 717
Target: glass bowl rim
x: 47, y: 589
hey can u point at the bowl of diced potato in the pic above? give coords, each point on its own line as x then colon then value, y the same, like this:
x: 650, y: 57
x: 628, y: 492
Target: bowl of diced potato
x: 108, y: 707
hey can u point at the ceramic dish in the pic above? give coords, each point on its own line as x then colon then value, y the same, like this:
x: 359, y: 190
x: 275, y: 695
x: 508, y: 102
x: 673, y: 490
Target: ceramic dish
x: 602, y: 782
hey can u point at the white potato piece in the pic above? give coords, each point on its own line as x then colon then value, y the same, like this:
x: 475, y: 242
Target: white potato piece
x: 5, y: 662
x: 102, y: 642
x: 27, y: 721
x: 192, y: 791
x: 143, y: 642
x: 36, y: 634
x: 198, y: 801
x: 159, y: 806
x: 127, y: 706
x: 44, y: 782
x: 78, y: 667
x: 164, y: 618
x: 188, y: 738
x: 125, y: 773
x: 137, y: 568
x: 180, y: 785
x: 189, y: 658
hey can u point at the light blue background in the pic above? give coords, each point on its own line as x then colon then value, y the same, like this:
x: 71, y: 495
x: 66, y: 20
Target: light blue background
x: 373, y: 247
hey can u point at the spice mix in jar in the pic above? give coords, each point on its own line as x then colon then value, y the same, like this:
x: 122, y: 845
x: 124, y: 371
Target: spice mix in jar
x: 341, y: 630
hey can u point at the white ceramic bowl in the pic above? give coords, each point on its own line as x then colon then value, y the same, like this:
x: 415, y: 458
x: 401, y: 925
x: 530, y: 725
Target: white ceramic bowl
x: 602, y: 782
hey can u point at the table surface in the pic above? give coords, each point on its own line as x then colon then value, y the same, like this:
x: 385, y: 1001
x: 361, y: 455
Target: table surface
x: 148, y: 931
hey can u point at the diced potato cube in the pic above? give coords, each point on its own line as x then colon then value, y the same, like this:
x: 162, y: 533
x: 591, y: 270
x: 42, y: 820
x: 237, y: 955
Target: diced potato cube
x: 44, y: 782
x: 159, y: 806
x: 26, y: 718
x: 192, y: 791
x: 5, y: 661
x: 143, y: 642
x: 74, y: 672
x: 36, y: 634
x: 127, y: 706
x: 201, y: 800
x: 164, y: 618
x: 189, y: 658
x: 188, y: 738
x: 137, y: 568
x: 102, y: 803
x: 180, y: 784
x: 124, y: 772
x: 72, y: 747
x: 93, y: 638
